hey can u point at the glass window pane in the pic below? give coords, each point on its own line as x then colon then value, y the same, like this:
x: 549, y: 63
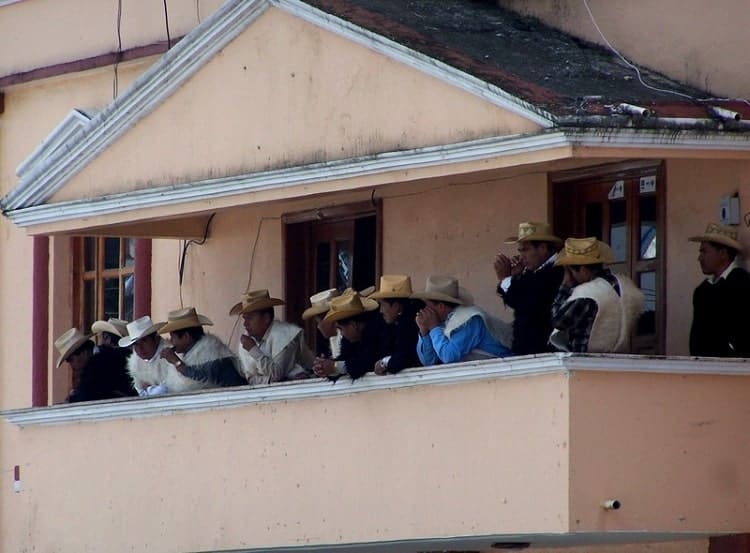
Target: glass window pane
x: 89, y: 304
x: 618, y: 230
x: 647, y: 322
x: 344, y: 265
x: 111, y: 297
x: 647, y: 214
x: 111, y: 253
x: 89, y: 254
x: 128, y: 297
x: 323, y: 266
x: 129, y: 251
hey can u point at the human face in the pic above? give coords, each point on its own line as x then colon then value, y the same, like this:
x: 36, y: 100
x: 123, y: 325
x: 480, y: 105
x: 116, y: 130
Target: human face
x: 256, y: 323
x: 712, y: 260
x: 533, y: 255
x: 181, y: 341
x: 327, y: 329
x: 78, y: 360
x: 581, y: 273
x: 351, y: 330
x: 441, y: 309
x: 390, y: 310
x: 145, y: 347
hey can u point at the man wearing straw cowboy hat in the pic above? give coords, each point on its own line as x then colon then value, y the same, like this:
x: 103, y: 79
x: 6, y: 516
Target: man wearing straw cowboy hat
x: 721, y: 303
x: 528, y: 284
x: 196, y: 354
x: 328, y: 340
x: 95, y: 375
x: 450, y: 329
x: 398, y: 336
x: 595, y: 310
x: 270, y: 350
x: 110, y: 331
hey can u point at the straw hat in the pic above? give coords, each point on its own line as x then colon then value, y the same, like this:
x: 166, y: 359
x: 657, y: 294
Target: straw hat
x: 393, y: 286
x: 726, y: 236
x: 443, y: 288
x: 319, y: 303
x: 138, y: 329
x: 369, y: 304
x: 113, y: 326
x: 68, y: 342
x: 254, y: 301
x: 584, y: 251
x: 184, y: 318
x: 348, y: 305
x: 533, y: 232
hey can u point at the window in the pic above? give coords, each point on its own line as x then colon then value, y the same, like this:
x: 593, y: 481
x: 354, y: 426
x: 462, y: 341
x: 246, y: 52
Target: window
x: 103, y: 279
x: 622, y: 205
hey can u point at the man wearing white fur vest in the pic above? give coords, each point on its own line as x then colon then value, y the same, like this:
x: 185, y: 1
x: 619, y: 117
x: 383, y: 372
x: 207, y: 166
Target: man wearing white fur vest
x: 595, y: 310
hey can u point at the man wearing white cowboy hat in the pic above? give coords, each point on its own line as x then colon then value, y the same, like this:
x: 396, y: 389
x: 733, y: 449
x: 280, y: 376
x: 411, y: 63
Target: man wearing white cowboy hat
x: 528, y: 284
x: 353, y: 316
x: 451, y: 330
x: 96, y: 376
x: 399, y: 334
x: 595, y: 310
x: 721, y: 303
x: 270, y: 350
x: 196, y: 354
x: 319, y: 305
x: 110, y: 331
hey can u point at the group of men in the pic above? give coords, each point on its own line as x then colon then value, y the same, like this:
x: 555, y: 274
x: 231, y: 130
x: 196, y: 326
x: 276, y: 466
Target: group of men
x: 563, y: 295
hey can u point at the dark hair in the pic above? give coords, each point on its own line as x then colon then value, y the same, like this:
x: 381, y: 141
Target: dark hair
x: 731, y: 252
x: 110, y: 336
x: 87, y: 345
x: 195, y: 332
x: 358, y: 318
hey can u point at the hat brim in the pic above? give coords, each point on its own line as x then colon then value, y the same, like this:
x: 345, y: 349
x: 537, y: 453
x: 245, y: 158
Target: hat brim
x: 437, y: 296
x: 389, y: 295
x: 128, y: 341
x: 104, y: 326
x: 534, y: 238
x: 179, y: 325
x: 348, y: 313
x: 313, y: 311
x: 718, y: 239
x: 566, y: 259
x: 238, y: 309
x: 71, y: 348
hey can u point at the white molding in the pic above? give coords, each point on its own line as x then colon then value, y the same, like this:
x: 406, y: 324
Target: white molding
x: 458, y: 373
x: 421, y: 62
x: 8, y: 2
x: 157, y: 83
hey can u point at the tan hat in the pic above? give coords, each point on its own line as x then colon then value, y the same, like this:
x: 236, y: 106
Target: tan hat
x: 254, y: 301
x: 348, y: 305
x: 113, y: 326
x: 533, y: 232
x: 726, y: 236
x: 68, y: 342
x: 443, y: 288
x: 584, y: 251
x: 138, y: 329
x: 393, y: 286
x: 319, y: 303
x: 184, y: 318
x: 369, y: 304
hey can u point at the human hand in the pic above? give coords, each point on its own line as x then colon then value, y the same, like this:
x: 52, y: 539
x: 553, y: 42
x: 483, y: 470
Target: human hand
x: 247, y: 342
x: 323, y: 367
x: 380, y: 368
x: 170, y: 355
x: 502, y: 266
x: 517, y: 266
x: 569, y: 280
x: 426, y: 320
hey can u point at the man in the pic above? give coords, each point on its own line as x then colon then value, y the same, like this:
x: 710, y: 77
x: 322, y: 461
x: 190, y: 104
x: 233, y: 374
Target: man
x: 95, y: 375
x: 528, y: 284
x: 202, y: 357
x: 595, y: 310
x: 399, y: 333
x: 270, y: 350
x: 110, y: 332
x: 327, y: 338
x: 352, y: 315
x: 721, y: 303
x: 449, y: 329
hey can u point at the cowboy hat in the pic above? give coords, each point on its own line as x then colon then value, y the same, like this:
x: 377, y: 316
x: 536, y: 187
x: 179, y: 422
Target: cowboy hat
x: 393, y: 286
x: 319, y: 303
x: 719, y: 234
x: 584, y: 251
x: 443, y: 288
x: 113, y: 326
x: 138, y: 329
x: 533, y: 232
x: 346, y: 306
x: 254, y: 301
x: 68, y: 342
x: 370, y: 305
x: 184, y: 318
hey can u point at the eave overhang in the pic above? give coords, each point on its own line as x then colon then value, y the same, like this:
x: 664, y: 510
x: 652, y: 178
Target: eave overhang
x: 390, y: 167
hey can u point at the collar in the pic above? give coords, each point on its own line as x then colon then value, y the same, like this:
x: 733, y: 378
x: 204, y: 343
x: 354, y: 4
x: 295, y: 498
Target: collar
x: 731, y: 267
x: 550, y: 260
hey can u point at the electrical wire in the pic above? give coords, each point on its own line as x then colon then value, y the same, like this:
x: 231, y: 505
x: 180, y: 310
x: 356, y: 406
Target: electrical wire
x: 183, y: 255
x: 166, y: 24
x: 118, y: 25
x: 198, y: 10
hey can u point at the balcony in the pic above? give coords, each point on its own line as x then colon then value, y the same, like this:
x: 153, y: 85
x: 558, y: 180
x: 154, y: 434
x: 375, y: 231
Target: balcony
x: 520, y: 450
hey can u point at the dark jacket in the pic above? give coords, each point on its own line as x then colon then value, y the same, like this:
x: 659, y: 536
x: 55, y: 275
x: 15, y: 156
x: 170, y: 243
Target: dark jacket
x: 105, y: 376
x: 360, y: 357
x: 721, y: 317
x: 531, y: 295
x: 399, y: 340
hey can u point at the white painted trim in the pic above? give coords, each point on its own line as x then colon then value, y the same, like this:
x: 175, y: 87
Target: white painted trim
x: 71, y: 128
x: 421, y: 62
x: 172, y: 70
x: 458, y: 373
x: 8, y: 2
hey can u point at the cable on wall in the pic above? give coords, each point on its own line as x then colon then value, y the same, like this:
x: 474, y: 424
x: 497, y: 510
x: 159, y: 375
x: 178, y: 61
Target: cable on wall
x: 166, y: 24
x: 118, y: 26
x: 183, y: 255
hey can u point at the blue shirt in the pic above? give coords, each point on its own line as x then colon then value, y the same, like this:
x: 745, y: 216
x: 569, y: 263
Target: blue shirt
x: 436, y: 348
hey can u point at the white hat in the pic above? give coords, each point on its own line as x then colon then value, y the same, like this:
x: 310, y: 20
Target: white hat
x: 138, y: 329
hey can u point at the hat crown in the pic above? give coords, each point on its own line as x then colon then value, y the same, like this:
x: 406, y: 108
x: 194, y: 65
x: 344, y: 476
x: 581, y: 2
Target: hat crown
x: 136, y: 327
x: 442, y: 285
x: 585, y: 251
x: 582, y: 246
x: 322, y: 298
x: 111, y: 325
x: 71, y: 336
x: 529, y: 231
x: 186, y: 317
x: 394, y: 286
x: 254, y: 300
x: 721, y: 230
